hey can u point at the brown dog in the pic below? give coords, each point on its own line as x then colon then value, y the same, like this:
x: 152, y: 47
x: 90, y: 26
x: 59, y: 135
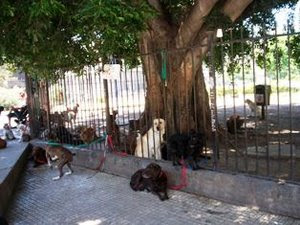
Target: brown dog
x: 152, y: 179
x: 87, y: 135
x: 3, y: 143
x: 65, y: 157
x: 39, y: 156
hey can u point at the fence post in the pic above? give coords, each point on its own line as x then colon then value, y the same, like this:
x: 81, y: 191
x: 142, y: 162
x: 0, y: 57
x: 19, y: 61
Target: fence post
x: 106, y: 97
x: 213, y: 107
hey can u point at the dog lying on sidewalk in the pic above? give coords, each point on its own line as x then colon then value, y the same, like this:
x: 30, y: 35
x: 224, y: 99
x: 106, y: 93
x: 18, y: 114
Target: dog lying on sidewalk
x: 152, y: 179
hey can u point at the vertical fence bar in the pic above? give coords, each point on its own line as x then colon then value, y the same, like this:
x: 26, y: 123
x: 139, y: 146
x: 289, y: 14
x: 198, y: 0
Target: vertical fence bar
x: 234, y: 107
x: 244, y: 98
x: 214, y: 120
x: 254, y: 81
x: 291, y: 172
x: 265, y: 114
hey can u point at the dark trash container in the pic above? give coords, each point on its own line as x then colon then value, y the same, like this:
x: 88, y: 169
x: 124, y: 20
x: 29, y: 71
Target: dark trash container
x: 262, y: 94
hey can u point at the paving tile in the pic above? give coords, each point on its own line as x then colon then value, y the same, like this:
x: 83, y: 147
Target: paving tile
x: 102, y: 199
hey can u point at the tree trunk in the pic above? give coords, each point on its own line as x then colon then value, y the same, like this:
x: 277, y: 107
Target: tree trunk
x: 182, y: 100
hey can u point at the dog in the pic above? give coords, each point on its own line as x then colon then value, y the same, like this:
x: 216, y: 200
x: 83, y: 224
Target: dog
x: 62, y: 135
x: 113, y: 128
x: 152, y: 179
x: 153, y: 138
x: 65, y: 157
x: 88, y: 134
x: 38, y: 155
x: 1, y: 109
x: 56, y: 119
x: 25, y: 133
x: 3, y: 143
x: 3, y: 221
x: 255, y: 110
x: 9, y: 135
x: 186, y: 146
x: 234, y: 123
x: 70, y: 115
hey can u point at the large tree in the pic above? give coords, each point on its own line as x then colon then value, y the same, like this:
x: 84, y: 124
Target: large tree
x: 47, y: 37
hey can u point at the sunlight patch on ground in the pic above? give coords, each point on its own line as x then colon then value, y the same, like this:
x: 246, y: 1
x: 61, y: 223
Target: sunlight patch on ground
x: 90, y: 222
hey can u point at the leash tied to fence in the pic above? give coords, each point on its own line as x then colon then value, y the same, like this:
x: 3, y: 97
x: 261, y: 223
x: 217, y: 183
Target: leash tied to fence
x: 183, y: 178
x: 109, y: 143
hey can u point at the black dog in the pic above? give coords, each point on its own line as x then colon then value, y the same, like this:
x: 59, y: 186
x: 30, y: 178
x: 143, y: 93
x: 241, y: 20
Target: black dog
x: 62, y: 134
x: 185, y: 146
x: 3, y: 221
x: 1, y: 109
x: 151, y: 179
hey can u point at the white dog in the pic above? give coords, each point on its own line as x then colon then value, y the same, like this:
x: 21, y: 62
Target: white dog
x: 148, y: 146
x: 24, y: 132
x: 254, y: 108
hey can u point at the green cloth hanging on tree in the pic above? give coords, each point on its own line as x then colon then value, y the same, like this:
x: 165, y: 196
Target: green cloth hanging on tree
x: 163, y: 65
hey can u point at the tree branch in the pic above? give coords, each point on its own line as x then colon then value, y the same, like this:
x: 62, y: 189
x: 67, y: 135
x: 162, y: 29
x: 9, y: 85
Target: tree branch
x: 156, y: 5
x: 234, y: 8
x: 193, y: 23
x: 159, y: 25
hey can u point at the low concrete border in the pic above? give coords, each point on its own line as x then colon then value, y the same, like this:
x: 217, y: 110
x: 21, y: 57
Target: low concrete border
x: 239, y: 189
x: 11, y: 180
x: 266, y: 195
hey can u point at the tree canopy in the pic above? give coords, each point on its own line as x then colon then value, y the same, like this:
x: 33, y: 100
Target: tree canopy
x: 46, y: 37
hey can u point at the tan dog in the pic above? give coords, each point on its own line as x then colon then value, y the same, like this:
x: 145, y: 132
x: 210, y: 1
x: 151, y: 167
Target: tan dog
x: 88, y: 134
x: 3, y: 143
x: 255, y: 110
x: 70, y: 115
x: 65, y: 157
x: 148, y: 145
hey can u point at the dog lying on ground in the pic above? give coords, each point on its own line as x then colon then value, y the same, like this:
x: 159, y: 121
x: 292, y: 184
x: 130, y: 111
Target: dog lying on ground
x: 234, y: 123
x: 186, y: 146
x: 88, y: 134
x: 62, y: 135
x: 3, y: 143
x: 9, y: 135
x: 255, y: 110
x: 65, y: 157
x: 153, y: 179
x: 38, y: 155
x: 148, y: 145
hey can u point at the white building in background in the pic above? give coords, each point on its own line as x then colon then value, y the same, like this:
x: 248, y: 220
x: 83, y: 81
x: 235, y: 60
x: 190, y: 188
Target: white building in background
x: 17, y: 80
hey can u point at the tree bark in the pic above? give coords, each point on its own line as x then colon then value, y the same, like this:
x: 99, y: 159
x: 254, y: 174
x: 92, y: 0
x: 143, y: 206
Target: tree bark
x: 182, y: 99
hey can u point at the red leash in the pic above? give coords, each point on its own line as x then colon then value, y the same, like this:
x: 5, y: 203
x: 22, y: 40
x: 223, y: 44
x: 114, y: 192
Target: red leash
x: 183, y: 178
x: 110, y: 144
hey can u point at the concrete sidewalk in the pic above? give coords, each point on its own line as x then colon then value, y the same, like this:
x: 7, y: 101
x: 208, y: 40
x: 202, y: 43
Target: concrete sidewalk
x: 84, y: 199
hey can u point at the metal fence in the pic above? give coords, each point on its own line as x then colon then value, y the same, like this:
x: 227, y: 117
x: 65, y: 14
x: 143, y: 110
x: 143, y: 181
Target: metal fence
x: 254, y: 98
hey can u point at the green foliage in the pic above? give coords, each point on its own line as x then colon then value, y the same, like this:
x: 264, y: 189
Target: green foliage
x: 45, y: 38
x: 295, y: 49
